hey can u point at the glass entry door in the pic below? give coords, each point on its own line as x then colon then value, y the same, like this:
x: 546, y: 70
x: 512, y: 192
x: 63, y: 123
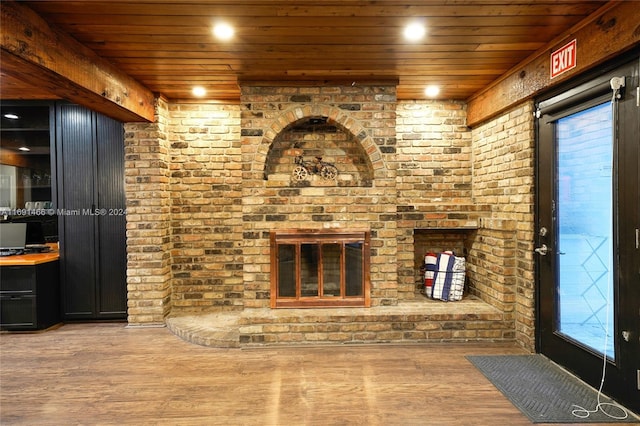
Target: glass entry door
x: 584, y: 144
x: 588, y: 222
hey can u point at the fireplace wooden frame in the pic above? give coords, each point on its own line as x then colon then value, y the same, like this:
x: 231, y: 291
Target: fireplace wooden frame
x: 345, y: 240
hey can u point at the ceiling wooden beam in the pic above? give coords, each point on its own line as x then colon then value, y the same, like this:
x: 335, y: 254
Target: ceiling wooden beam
x: 614, y: 29
x: 42, y: 56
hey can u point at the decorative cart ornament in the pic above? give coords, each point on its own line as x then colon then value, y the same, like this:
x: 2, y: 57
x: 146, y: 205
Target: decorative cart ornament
x: 318, y: 167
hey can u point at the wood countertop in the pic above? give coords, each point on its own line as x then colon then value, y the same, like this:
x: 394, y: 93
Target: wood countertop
x: 31, y: 258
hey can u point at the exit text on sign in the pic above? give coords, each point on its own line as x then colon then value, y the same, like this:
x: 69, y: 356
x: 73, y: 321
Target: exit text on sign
x: 563, y: 59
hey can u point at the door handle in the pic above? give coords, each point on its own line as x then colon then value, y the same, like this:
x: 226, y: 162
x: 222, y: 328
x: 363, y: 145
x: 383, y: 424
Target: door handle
x: 542, y: 250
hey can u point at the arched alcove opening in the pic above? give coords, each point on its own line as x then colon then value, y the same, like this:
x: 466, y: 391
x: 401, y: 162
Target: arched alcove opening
x: 317, y: 151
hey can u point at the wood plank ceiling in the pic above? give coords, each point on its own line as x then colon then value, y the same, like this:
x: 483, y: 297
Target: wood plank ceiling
x: 168, y: 46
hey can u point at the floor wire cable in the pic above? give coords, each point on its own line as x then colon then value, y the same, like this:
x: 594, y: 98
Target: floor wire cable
x: 579, y: 411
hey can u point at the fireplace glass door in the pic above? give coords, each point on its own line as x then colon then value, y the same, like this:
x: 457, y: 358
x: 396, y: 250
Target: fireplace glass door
x: 319, y: 268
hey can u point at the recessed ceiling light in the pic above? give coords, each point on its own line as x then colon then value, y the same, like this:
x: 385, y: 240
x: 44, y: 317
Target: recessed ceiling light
x: 11, y: 116
x: 414, y: 31
x: 23, y: 148
x: 223, y: 31
x: 199, y: 91
x: 432, y: 91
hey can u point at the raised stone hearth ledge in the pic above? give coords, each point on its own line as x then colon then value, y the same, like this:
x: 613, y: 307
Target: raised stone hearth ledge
x: 417, y: 321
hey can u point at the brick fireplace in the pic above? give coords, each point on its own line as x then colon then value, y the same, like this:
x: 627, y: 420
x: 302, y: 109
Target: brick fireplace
x: 207, y: 184
x: 352, y: 127
x: 320, y: 268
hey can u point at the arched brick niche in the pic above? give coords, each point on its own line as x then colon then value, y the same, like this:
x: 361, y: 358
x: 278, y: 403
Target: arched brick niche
x: 373, y: 131
x: 313, y: 138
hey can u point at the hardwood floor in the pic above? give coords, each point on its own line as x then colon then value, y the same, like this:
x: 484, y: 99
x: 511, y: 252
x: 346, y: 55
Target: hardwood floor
x: 107, y: 374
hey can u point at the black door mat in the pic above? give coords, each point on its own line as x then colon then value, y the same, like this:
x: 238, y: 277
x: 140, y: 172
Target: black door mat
x: 546, y: 393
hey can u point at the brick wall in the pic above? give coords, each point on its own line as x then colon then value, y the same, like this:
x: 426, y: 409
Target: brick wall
x: 434, y: 185
x: 147, y: 161
x: 480, y: 182
x: 184, y: 235
x: 206, y: 207
x: 434, y: 154
x: 503, y: 178
x: 207, y: 182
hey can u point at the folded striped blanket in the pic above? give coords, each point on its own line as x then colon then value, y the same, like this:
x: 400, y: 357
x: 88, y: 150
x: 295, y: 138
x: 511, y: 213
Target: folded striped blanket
x: 448, y: 278
x: 430, y: 260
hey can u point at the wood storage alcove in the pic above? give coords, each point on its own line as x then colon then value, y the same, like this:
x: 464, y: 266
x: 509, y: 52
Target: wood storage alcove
x: 320, y: 268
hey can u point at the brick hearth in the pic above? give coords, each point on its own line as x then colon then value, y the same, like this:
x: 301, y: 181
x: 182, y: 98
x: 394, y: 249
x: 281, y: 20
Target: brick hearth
x: 418, y: 321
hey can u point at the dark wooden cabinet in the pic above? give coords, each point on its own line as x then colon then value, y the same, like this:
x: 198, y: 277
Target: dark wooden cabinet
x: 70, y: 160
x: 90, y: 153
x: 29, y: 296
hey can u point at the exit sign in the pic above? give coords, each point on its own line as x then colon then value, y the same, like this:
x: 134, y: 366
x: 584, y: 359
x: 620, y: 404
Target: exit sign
x: 563, y: 59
